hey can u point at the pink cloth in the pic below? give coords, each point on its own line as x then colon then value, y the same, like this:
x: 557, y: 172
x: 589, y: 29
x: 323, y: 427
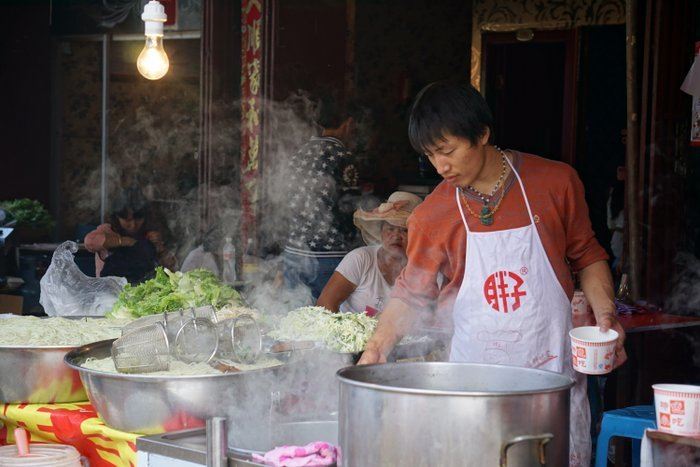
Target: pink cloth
x: 317, y: 453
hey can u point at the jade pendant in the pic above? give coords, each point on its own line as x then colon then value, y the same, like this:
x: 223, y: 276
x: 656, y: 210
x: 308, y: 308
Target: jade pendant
x: 486, y: 216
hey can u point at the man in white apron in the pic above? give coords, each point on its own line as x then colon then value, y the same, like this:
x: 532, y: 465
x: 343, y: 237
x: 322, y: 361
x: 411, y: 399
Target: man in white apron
x: 508, y: 304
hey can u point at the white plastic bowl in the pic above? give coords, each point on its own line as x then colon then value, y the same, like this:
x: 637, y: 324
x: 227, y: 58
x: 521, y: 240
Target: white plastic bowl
x: 41, y: 455
x: 593, y: 351
x: 677, y: 408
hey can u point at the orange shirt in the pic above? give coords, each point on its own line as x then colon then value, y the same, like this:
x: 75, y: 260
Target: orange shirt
x: 437, y: 239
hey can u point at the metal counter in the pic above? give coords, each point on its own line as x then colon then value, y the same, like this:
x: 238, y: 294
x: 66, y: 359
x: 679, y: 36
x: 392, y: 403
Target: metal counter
x: 187, y: 446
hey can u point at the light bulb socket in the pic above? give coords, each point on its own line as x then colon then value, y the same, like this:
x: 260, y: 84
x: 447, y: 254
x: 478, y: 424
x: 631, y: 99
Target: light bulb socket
x: 154, y: 18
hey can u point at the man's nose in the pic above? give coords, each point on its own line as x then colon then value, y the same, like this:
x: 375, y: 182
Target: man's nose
x: 441, y: 166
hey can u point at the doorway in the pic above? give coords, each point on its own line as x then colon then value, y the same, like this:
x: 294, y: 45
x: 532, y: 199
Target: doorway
x: 529, y: 83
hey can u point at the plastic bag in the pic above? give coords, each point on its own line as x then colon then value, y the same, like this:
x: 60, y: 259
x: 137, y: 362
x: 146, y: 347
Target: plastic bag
x: 66, y: 291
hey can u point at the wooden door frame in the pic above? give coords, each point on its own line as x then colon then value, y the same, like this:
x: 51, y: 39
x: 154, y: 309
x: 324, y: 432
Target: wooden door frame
x: 663, y: 146
x: 570, y: 37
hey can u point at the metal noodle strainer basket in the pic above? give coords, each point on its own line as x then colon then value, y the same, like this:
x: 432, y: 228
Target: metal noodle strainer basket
x: 143, y: 350
x: 196, y: 341
x: 241, y: 339
x: 173, y: 320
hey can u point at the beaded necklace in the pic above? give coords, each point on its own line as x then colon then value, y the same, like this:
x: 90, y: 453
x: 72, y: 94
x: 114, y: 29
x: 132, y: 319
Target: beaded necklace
x: 487, y: 199
x: 487, y: 212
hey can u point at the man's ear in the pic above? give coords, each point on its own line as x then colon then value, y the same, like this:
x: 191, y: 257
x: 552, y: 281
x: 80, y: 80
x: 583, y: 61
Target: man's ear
x: 484, y: 139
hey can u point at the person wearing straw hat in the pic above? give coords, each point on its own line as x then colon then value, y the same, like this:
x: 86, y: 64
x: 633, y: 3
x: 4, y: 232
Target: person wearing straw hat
x: 505, y: 229
x: 363, y: 280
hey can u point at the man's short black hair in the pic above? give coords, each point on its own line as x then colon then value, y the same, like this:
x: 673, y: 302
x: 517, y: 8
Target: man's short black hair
x: 447, y: 108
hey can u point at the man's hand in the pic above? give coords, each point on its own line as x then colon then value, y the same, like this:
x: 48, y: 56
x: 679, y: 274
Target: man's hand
x: 597, y: 284
x: 395, y: 321
x: 609, y: 321
x: 371, y: 355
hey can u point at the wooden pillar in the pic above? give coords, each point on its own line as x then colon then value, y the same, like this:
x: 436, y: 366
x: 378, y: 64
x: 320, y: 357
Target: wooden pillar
x: 632, y: 155
x: 666, y: 146
x: 219, y: 94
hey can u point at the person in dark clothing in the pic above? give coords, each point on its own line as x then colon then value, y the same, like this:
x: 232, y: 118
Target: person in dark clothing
x: 322, y: 178
x: 126, y: 246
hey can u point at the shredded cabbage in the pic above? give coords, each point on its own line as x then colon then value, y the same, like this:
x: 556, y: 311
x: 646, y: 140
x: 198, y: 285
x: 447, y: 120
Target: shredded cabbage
x: 263, y: 361
x: 169, y: 291
x: 177, y: 368
x: 340, y: 332
x: 31, y: 331
x: 234, y: 311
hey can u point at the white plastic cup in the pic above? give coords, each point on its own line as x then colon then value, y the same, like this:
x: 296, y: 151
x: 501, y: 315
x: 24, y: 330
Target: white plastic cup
x: 593, y: 351
x: 677, y: 408
x: 42, y: 455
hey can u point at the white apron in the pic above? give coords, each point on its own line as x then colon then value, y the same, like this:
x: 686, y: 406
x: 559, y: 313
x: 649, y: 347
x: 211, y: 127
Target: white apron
x: 512, y: 310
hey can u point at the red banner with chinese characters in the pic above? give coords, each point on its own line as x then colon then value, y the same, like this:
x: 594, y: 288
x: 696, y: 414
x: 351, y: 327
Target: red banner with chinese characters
x: 251, y: 113
x: 170, y: 11
x: 75, y: 424
x: 695, y: 124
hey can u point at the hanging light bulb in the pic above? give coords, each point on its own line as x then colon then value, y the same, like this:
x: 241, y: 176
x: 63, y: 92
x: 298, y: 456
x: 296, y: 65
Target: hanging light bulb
x: 153, y: 62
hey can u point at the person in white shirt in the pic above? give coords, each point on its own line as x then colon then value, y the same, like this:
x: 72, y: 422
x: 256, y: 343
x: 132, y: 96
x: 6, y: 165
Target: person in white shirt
x: 199, y: 258
x: 207, y: 254
x: 364, y: 278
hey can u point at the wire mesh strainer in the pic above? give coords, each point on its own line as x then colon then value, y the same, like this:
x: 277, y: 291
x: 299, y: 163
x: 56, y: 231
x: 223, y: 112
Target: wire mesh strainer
x: 173, y: 320
x: 143, y: 350
x: 240, y: 339
x: 196, y: 341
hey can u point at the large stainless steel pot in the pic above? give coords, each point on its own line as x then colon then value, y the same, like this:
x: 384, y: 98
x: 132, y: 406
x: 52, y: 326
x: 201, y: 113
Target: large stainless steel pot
x: 453, y: 414
x: 38, y: 375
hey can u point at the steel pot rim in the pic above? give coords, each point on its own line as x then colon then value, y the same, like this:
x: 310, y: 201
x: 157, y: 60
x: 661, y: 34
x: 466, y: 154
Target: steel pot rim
x: 38, y: 347
x: 340, y: 374
x: 146, y: 378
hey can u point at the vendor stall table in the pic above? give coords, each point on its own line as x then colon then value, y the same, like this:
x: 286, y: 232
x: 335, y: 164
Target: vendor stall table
x: 640, y: 322
x: 660, y: 347
x: 653, y: 340
x: 75, y: 424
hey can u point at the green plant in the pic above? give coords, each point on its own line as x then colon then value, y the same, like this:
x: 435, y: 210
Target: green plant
x: 28, y: 213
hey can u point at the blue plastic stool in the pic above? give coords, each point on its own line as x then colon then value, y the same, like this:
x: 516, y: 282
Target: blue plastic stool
x: 629, y: 422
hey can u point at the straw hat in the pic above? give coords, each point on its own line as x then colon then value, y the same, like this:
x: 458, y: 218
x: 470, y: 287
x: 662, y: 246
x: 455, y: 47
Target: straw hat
x: 395, y: 211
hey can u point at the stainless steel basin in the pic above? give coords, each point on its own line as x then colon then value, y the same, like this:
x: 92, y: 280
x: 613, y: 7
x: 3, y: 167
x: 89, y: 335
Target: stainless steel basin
x: 38, y: 375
